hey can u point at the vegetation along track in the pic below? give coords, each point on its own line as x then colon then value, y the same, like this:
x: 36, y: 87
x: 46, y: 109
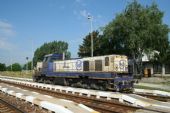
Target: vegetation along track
x: 101, y: 105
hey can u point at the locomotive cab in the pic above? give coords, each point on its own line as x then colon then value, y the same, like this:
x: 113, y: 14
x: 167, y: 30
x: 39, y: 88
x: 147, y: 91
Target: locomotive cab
x: 47, y: 65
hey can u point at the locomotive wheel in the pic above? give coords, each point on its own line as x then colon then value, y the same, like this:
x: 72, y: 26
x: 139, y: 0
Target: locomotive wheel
x: 94, y: 86
x: 41, y: 80
x: 101, y: 88
x: 84, y: 86
x: 117, y: 89
x: 88, y: 86
x: 47, y: 82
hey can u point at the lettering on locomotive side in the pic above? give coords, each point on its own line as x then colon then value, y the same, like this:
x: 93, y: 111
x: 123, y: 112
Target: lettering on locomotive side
x: 78, y: 64
x: 122, y: 64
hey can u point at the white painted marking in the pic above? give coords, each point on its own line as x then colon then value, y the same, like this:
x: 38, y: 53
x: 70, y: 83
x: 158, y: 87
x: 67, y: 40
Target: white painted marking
x: 10, y: 92
x: 66, y: 100
x: 19, y: 95
x: 30, y: 98
x: 35, y: 92
x: 54, y: 107
x: 85, y: 107
x: 48, y: 96
x: 4, y: 89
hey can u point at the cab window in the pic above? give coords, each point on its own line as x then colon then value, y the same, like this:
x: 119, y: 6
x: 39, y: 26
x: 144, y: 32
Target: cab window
x: 53, y: 59
x: 106, y: 61
x: 45, y: 59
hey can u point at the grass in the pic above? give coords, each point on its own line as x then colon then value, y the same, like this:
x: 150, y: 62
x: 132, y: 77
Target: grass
x: 21, y: 74
x: 151, y: 88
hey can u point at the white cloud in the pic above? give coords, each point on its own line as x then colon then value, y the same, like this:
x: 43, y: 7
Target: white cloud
x: 5, y: 25
x: 6, y: 32
x: 84, y: 13
x: 5, y: 45
x: 6, y: 29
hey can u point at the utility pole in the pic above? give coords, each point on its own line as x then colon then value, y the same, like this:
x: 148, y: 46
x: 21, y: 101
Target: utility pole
x: 27, y: 65
x: 11, y: 63
x: 32, y: 65
x: 91, y: 29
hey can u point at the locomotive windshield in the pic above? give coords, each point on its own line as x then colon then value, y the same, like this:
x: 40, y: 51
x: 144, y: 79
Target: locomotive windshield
x: 45, y: 59
x: 52, y: 57
x: 49, y: 59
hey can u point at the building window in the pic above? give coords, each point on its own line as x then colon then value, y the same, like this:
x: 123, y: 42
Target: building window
x: 106, y: 61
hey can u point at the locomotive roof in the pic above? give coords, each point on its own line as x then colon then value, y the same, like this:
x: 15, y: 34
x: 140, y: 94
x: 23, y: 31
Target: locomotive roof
x: 106, y: 55
x: 54, y: 54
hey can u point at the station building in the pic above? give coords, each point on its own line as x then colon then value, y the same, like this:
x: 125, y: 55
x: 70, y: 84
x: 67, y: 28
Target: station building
x: 151, y: 68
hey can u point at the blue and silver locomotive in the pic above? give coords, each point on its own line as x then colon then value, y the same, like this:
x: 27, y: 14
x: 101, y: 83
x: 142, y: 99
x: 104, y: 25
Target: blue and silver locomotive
x: 108, y: 72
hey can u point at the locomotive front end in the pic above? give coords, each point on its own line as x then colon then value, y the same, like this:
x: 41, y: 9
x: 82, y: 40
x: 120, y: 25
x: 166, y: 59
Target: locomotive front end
x: 123, y: 81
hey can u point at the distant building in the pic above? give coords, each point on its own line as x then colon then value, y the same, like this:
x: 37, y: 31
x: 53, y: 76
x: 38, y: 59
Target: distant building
x: 151, y: 68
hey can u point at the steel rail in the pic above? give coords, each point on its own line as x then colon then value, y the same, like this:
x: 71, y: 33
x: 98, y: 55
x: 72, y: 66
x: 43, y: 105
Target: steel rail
x: 9, y: 107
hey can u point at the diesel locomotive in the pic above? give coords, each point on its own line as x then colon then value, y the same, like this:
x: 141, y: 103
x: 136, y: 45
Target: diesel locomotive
x: 108, y: 72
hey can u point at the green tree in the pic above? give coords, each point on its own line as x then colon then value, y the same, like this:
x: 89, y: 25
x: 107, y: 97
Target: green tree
x: 2, y: 67
x: 136, y: 30
x: 163, y: 56
x: 49, y: 48
x: 15, y: 67
x: 29, y: 64
x: 8, y: 68
x: 85, y: 47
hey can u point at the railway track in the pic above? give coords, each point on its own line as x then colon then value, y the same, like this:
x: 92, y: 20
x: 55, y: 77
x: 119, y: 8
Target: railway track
x: 156, y: 97
x: 101, y: 105
x: 6, y: 107
x: 10, y: 104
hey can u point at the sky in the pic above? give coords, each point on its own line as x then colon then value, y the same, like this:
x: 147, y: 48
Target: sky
x: 27, y: 24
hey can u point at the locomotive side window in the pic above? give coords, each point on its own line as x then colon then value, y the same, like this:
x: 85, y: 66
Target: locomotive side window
x: 98, y: 65
x: 86, y: 65
x: 106, y: 61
